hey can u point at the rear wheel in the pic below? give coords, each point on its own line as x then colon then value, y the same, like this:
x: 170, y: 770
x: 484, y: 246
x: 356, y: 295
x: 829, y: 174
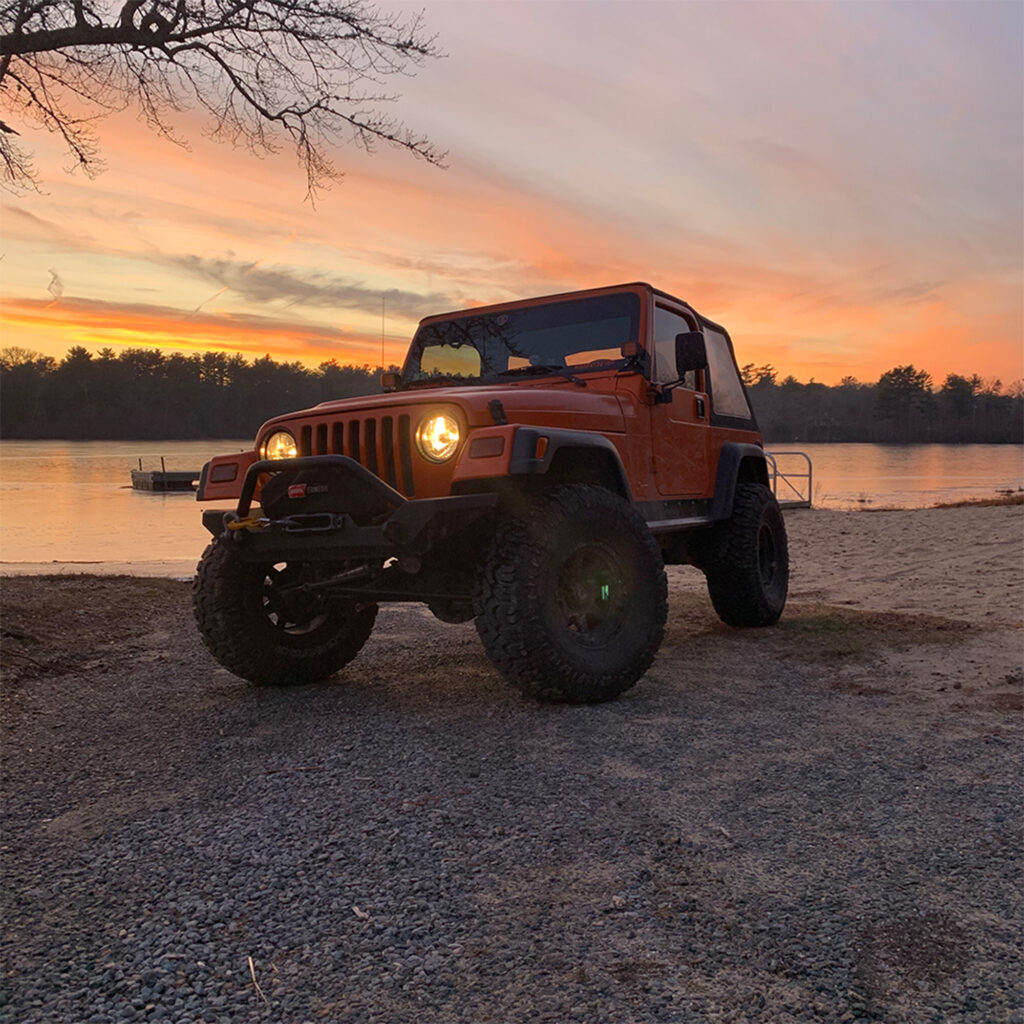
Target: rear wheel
x: 746, y: 560
x: 572, y: 599
x: 259, y: 626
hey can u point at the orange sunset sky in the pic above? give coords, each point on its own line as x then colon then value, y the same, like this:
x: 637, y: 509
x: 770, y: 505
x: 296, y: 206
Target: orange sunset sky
x: 840, y: 184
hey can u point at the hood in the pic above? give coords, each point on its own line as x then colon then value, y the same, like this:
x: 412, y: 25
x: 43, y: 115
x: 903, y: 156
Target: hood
x: 555, y: 403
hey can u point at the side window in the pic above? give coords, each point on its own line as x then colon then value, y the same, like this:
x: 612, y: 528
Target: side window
x: 667, y: 325
x: 727, y: 397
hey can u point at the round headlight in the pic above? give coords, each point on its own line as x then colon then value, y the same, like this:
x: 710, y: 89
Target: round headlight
x: 437, y: 436
x: 279, y: 445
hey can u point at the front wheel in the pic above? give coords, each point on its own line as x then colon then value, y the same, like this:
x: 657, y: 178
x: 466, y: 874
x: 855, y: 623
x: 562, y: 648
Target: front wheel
x: 258, y: 624
x: 747, y: 560
x: 572, y: 598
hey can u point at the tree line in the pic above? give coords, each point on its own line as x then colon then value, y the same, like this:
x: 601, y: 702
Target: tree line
x: 903, y: 406
x: 147, y: 394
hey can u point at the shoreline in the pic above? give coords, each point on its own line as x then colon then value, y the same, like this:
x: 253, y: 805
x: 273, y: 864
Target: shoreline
x: 930, y: 569
x: 184, y: 568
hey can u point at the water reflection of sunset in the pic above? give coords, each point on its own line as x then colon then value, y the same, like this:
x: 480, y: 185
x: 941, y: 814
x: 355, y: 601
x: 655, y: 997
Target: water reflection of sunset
x: 58, y: 498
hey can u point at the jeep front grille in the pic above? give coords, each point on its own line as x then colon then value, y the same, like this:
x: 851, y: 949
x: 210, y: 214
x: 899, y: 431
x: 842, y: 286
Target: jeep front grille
x: 382, y: 444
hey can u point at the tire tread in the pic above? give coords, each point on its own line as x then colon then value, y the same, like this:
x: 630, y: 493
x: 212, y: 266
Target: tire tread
x: 244, y: 642
x: 731, y: 560
x: 507, y: 600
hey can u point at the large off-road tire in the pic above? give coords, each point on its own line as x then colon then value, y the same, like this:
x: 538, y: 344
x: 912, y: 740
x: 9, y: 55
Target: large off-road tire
x: 746, y: 560
x: 571, y: 599
x: 255, y: 634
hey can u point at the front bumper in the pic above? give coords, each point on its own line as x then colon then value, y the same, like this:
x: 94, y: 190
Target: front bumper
x: 401, y: 528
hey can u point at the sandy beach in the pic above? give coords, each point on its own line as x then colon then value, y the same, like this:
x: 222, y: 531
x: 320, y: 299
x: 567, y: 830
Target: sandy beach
x: 966, y: 563
x: 962, y: 564
x: 820, y: 821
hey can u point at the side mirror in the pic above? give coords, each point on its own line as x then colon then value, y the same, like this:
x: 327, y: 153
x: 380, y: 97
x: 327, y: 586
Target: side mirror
x: 691, y: 353
x: 389, y: 380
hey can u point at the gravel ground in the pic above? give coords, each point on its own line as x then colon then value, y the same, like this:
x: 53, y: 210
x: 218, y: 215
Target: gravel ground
x: 785, y: 825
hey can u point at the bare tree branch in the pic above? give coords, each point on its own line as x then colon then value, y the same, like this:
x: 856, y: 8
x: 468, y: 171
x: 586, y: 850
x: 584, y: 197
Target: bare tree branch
x: 264, y: 70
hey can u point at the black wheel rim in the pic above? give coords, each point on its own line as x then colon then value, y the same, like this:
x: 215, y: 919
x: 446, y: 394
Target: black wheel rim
x: 590, y: 594
x: 291, y: 613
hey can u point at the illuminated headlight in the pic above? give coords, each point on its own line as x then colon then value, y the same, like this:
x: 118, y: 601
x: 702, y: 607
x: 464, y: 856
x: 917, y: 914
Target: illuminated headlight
x: 279, y: 445
x: 437, y: 436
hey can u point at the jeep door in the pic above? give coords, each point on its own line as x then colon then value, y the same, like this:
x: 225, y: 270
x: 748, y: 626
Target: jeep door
x: 679, y: 423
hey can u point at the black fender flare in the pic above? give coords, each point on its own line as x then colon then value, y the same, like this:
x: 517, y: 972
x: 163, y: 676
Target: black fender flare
x: 524, y: 459
x: 731, y: 458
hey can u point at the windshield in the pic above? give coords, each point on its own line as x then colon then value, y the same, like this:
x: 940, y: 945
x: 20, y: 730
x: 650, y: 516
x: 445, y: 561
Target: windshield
x: 578, y: 334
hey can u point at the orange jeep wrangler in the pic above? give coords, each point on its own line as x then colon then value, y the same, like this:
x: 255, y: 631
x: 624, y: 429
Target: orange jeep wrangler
x: 533, y: 467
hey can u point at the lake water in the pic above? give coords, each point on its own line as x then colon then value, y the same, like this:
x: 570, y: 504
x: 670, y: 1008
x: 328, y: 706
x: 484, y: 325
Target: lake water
x: 68, y: 506
x: 907, y: 475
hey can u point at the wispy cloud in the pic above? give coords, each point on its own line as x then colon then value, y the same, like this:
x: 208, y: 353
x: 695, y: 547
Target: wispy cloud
x: 256, y: 283
x: 22, y: 225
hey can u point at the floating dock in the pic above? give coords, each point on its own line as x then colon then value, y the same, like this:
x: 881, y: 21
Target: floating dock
x: 163, y: 479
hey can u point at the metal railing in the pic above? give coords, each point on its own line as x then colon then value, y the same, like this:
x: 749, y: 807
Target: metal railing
x: 793, y: 487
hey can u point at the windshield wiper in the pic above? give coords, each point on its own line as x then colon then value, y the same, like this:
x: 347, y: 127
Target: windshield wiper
x: 440, y: 378
x: 543, y: 368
